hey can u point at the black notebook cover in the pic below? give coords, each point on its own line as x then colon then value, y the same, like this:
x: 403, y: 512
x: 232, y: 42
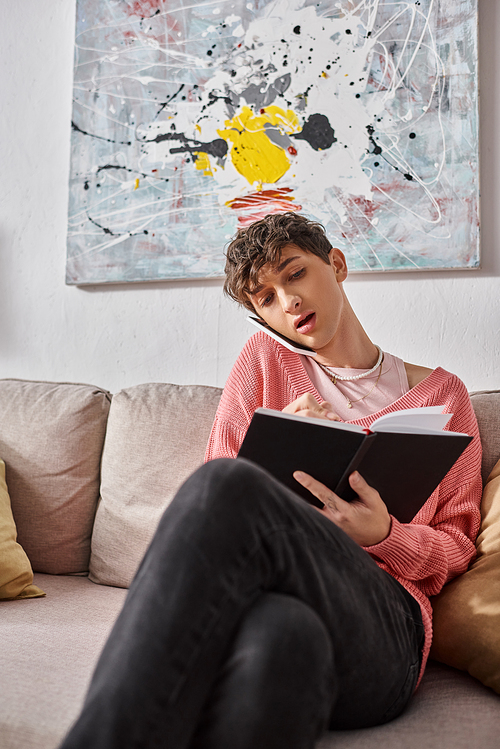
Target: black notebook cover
x: 404, y: 468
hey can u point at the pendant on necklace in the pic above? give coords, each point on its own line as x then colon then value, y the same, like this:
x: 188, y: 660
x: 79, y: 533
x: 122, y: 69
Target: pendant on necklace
x: 349, y: 404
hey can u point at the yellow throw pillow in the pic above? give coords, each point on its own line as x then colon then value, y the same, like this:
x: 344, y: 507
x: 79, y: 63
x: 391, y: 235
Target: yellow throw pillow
x: 16, y: 575
x: 467, y: 611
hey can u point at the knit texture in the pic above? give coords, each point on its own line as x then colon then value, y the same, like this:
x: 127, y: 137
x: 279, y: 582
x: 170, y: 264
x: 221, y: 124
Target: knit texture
x: 438, y: 544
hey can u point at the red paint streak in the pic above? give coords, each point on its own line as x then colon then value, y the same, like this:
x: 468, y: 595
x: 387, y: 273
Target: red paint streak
x: 411, y: 197
x: 145, y: 8
x: 257, y: 205
x: 165, y: 31
x: 154, y: 170
x: 263, y: 196
x: 367, y: 207
x: 292, y: 150
x: 382, y: 78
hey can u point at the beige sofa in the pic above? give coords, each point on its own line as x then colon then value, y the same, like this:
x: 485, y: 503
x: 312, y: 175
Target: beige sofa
x: 66, y: 445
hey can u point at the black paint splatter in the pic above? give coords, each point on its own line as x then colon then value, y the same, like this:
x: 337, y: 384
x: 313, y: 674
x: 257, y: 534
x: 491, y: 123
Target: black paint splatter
x: 91, y: 135
x: 117, y: 234
x: 377, y: 150
x: 131, y: 171
x: 112, y: 166
x: 217, y: 147
x: 104, y: 228
x: 231, y: 102
x: 318, y: 132
x: 165, y: 103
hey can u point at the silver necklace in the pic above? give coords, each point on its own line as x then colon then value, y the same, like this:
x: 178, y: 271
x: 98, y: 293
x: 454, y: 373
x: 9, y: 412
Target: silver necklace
x: 334, y: 376
x: 348, y: 400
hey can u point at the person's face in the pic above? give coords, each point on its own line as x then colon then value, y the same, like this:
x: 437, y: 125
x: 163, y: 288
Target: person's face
x: 302, y: 297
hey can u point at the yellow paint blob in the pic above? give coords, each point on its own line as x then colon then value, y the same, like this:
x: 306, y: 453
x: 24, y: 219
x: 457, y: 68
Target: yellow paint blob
x: 202, y: 162
x: 136, y: 184
x: 252, y: 153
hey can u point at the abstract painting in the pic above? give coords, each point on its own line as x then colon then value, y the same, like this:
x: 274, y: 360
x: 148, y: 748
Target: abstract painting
x: 192, y: 119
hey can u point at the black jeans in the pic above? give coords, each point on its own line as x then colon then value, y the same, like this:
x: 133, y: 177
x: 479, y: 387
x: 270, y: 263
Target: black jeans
x: 253, y: 621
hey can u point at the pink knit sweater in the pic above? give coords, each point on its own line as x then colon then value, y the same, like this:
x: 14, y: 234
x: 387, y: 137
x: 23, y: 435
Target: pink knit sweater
x: 438, y: 544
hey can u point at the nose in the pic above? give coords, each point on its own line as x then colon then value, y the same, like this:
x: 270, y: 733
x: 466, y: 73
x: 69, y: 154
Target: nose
x: 290, y: 302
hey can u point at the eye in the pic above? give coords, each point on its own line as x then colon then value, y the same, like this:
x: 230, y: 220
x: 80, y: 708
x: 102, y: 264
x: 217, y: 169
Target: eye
x: 298, y: 274
x: 266, y: 300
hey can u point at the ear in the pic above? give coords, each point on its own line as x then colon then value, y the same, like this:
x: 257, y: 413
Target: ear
x: 338, y: 263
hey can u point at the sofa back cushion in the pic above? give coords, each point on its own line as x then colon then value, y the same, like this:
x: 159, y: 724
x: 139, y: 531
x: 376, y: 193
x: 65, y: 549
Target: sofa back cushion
x: 156, y: 437
x: 51, y: 438
x: 486, y: 405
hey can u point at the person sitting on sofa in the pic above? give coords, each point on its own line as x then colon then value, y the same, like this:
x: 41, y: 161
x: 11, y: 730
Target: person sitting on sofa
x: 281, y: 620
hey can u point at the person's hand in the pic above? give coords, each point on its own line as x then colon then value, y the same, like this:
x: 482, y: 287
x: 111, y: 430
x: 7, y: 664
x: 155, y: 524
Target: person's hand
x: 307, y: 405
x: 366, y: 519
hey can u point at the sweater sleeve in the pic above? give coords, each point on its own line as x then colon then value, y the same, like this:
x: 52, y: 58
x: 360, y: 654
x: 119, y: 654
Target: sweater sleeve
x: 233, y: 415
x: 264, y: 375
x: 259, y: 378
x: 438, y: 544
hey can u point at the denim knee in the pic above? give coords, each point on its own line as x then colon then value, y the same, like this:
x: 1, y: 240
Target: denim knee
x: 224, y: 482
x: 281, y: 639
x: 223, y: 499
x: 275, y: 688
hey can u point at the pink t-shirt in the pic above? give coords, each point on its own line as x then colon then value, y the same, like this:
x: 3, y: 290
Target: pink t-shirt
x: 367, y: 395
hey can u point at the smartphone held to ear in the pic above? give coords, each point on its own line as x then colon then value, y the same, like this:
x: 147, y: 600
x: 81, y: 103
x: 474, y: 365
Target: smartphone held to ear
x: 297, y: 348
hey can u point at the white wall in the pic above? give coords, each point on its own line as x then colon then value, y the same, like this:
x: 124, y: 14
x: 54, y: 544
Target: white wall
x: 186, y: 332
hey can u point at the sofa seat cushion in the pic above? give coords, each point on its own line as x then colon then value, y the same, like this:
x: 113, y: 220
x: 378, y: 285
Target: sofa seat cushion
x: 156, y: 437
x: 449, y: 710
x: 49, y: 649
x: 51, y: 437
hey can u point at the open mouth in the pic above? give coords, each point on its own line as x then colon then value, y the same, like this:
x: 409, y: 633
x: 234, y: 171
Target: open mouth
x: 307, y: 319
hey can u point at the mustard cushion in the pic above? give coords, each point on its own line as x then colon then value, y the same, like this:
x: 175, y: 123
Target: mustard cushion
x: 467, y: 611
x: 16, y: 575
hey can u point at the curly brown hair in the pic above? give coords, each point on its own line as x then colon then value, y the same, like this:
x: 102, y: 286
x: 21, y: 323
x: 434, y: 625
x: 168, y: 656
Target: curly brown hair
x: 261, y: 243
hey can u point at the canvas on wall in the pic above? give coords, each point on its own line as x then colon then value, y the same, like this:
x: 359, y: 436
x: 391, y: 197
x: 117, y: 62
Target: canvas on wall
x: 191, y: 119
